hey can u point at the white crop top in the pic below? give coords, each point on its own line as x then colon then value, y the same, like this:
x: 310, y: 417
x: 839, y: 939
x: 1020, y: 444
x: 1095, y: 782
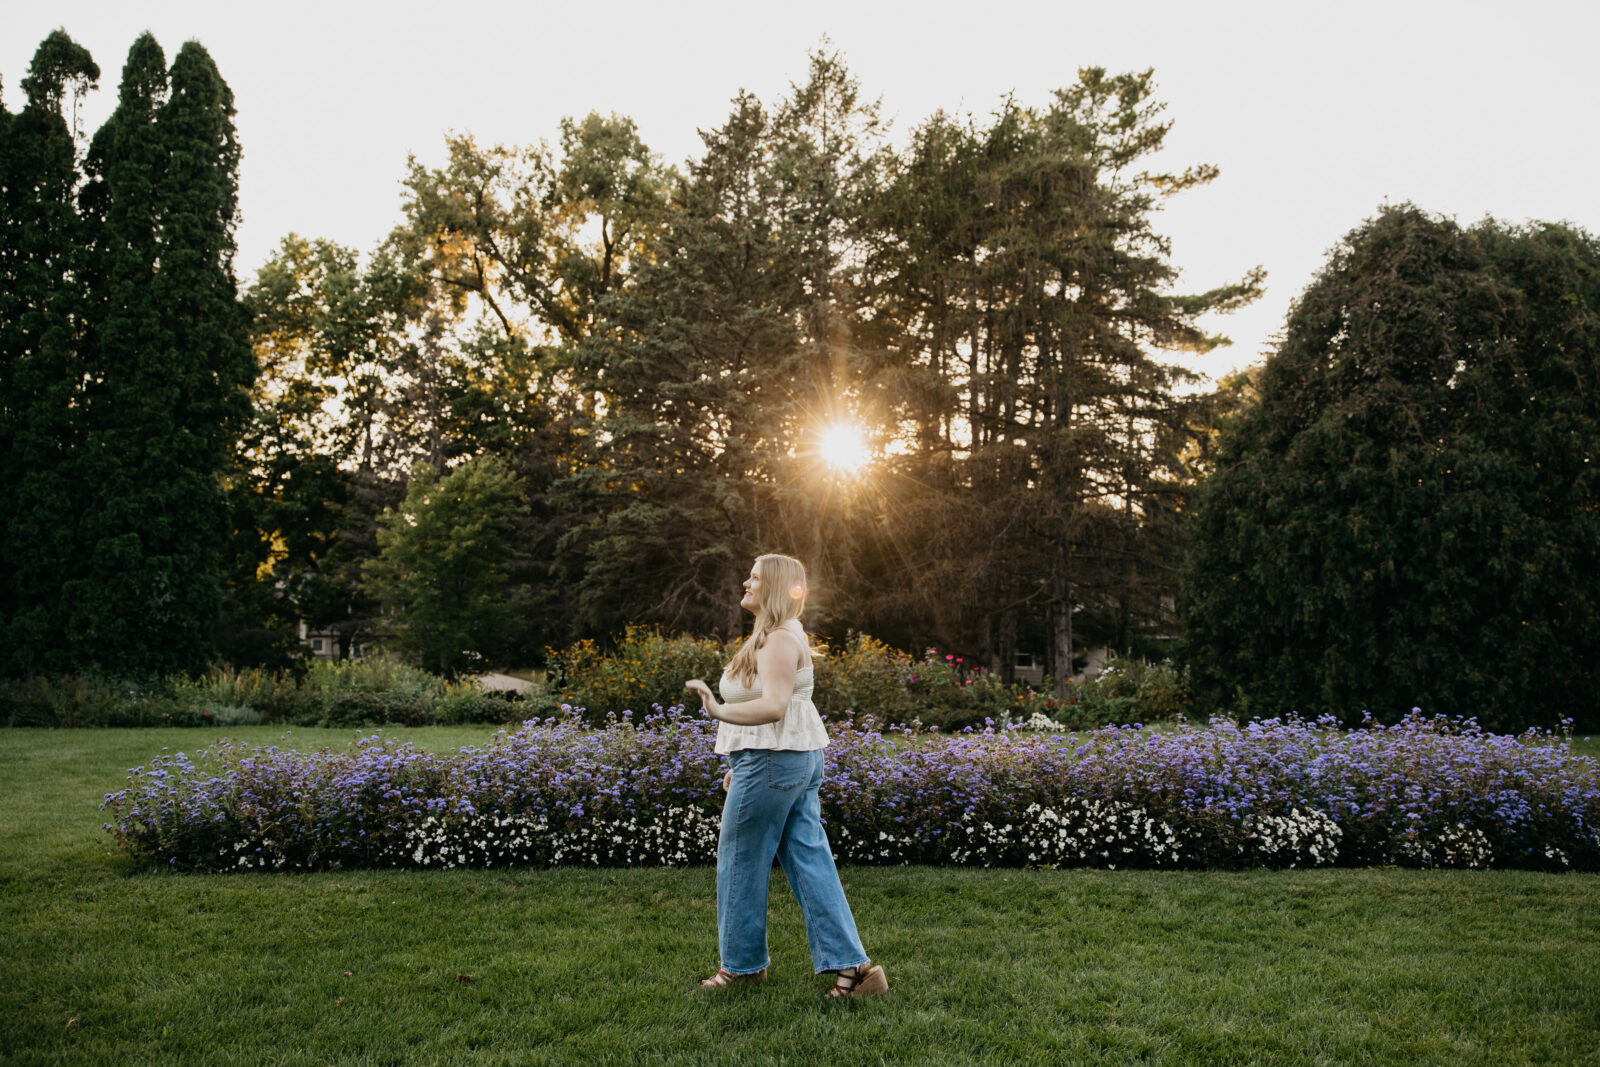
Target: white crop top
x: 799, y: 730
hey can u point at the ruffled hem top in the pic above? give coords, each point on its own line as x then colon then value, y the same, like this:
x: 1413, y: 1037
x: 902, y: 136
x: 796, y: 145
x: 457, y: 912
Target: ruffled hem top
x: 800, y: 729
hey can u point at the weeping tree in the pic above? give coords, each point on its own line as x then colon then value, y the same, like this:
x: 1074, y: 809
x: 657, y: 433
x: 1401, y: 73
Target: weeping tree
x: 1408, y: 514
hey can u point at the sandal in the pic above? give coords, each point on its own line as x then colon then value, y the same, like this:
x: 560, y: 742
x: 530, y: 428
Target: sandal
x: 863, y: 981
x: 724, y: 978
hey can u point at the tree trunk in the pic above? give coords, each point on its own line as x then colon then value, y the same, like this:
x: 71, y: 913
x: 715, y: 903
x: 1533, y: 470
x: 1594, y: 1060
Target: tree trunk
x: 735, y: 620
x: 1008, y: 646
x: 1061, y: 617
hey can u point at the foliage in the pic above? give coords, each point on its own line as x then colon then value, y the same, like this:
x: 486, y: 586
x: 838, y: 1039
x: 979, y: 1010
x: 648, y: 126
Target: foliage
x: 128, y: 365
x: 652, y: 355
x: 867, y: 681
x: 949, y: 692
x: 1130, y: 691
x: 86, y: 700
x: 166, y: 389
x: 444, y: 571
x: 1409, y: 513
x: 41, y: 254
x: 645, y: 672
x: 864, y: 679
x: 355, y: 693
x: 803, y: 273
x: 304, y: 488
x: 1020, y: 264
x: 1427, y: 792
x: 694, y: 361
x: 862, y: 682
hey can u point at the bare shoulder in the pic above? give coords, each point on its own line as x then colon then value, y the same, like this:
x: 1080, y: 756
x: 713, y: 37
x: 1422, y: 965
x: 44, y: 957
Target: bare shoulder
x: 786, y: 643
x: 785, y: 638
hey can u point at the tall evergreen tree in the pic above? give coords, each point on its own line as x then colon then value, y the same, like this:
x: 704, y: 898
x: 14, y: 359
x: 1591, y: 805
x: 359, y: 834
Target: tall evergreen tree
x: 1409, y: 512
x: 699, y: 363
x: 1025, y: 260
x: 169, y: 367
x: 41, y: 372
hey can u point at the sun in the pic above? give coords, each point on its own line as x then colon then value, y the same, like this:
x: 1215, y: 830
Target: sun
x: 844, y: 448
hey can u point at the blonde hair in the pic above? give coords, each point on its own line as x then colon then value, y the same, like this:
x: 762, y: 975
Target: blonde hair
x: 781, y: 597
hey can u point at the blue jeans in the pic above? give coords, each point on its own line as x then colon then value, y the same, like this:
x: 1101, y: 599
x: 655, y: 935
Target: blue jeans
x: 772, y: 810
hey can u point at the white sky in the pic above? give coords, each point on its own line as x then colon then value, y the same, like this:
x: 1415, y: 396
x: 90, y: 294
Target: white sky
x: 1316, y: 114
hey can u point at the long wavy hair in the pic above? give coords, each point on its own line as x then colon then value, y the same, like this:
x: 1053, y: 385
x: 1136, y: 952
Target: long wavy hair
x: 782, y: 597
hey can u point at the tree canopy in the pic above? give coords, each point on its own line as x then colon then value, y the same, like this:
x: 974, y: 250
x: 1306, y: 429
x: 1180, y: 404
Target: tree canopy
x: 658, y: 355
x: 576, y: 388
x: 1409, y: 512
x: 444, y: 570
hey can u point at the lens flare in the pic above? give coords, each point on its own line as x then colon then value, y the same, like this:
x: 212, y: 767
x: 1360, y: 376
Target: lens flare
x: 844, y: 448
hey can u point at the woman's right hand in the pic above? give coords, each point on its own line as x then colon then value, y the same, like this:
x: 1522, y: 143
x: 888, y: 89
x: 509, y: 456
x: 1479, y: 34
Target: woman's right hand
x: 703, y: 691
x: 727, y: 779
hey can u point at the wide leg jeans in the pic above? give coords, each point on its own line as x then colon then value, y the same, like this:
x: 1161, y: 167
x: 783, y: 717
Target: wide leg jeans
x: 772, y: 810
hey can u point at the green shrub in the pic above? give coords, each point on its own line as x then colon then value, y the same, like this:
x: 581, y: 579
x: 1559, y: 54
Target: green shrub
x: 77, y: 700
x: 864, y: 678
x: 32, y: 702
x: 861, y: 680
x: 251, y: 687
x: 464, y: 702
x: 646, y: 670
x: 332, y: 679
x: 372, y: 708
x: 231, y: 715
x: 950, y: 694
x: 368, y: 692
x: 1150, y: 692
x: 1127, y: 691
x: 535, y: 705
x: 972, y: 705
x: 337, y: 694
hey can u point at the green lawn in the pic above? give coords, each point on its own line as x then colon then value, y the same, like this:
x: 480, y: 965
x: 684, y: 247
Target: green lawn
x: 110, y: 963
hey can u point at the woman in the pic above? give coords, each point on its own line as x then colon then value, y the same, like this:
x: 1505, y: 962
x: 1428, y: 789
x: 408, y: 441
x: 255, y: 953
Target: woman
x: 773, y: 738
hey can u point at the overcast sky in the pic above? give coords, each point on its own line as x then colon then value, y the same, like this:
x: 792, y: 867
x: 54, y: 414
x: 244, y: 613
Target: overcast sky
x: 1316, y: 113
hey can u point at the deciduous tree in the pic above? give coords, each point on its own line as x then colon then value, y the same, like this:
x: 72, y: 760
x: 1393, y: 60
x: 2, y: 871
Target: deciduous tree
x: 445, y: 570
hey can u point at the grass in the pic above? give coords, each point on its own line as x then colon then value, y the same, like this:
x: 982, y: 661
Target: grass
x: 109, y: 962
x: 1587, y: 745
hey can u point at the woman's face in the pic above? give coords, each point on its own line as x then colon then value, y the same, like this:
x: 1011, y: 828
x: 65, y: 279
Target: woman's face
x: 752, y: 589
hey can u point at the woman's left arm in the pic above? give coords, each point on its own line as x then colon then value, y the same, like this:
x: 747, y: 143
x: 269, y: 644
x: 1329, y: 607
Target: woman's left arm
x: 776, y: 665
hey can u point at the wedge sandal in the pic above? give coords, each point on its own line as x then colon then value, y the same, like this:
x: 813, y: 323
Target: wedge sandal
x: 724, y: 978
x: 863, y: 981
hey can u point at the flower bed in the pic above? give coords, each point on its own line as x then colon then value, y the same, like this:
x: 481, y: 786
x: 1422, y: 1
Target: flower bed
x: 1427, y: 792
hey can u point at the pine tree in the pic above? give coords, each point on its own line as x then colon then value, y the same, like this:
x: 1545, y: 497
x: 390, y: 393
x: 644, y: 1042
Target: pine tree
x: 1023, y: 261
x: 698, y: 362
